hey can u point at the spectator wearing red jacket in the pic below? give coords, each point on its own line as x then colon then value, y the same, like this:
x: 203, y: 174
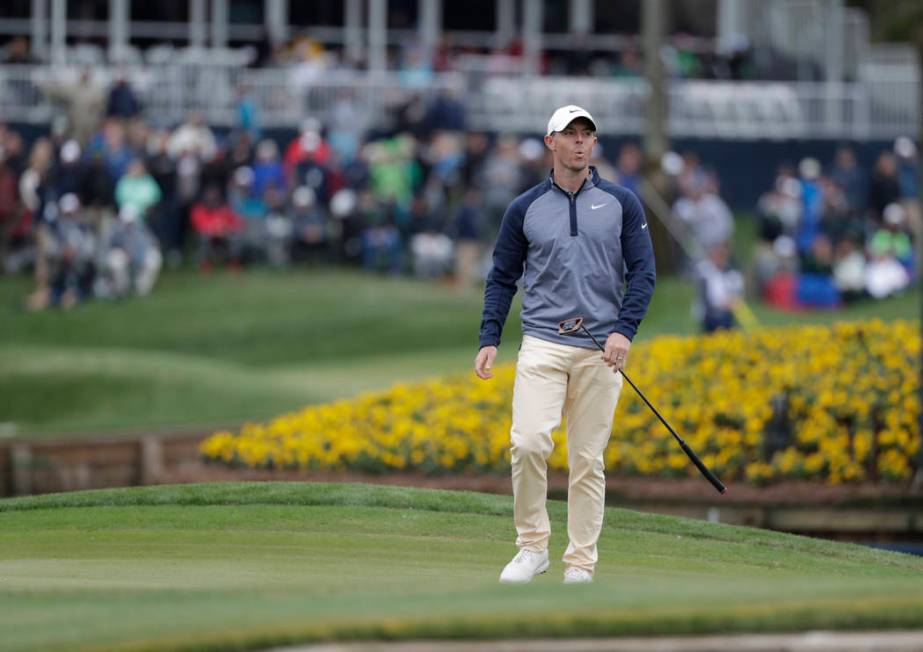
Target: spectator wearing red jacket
x: 218, y: 229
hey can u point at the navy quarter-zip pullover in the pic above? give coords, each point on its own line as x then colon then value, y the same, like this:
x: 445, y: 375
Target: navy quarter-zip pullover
x: 586, y: 253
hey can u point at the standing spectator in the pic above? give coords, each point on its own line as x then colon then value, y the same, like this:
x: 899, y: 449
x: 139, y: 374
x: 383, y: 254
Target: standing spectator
x: 307, y: 146
x: 122, y: 102
x: 193, y: 137
x: 268, y: 172
x: 908, y: 185
x: 812, y: 204
x: 69, y: 172
x: 850, y: 179
x: 84, y: 103
x: 137, y: 189
x: 10, y: 208
x: 628, y: 167
x: 468, y: 229
x: 112, y: 143
x: 885, y: 188
x: 706, y: 215
x: 720, y: 289
x: 310, y: 230
x: 165, y: 221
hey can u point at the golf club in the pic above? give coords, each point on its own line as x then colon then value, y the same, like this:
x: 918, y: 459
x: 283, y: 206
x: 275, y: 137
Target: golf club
x: 571, y: 327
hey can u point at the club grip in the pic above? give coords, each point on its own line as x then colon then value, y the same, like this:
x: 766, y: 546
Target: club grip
x: 716, y: 483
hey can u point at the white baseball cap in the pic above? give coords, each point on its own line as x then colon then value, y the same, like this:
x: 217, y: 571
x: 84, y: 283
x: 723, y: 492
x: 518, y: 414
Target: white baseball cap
x: 567, y: 114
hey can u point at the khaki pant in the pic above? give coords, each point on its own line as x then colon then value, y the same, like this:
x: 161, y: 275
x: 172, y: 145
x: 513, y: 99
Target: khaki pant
x: 551, y: 380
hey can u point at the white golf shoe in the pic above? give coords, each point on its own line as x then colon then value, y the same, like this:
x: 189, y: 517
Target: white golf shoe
x: 524, y: 566
x: 577, y: 576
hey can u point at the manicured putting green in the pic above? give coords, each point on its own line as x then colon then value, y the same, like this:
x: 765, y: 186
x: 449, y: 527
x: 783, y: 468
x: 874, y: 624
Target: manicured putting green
x: 247, y: 565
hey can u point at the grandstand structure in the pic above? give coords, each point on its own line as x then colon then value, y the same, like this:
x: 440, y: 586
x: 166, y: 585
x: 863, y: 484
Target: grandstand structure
x: 201, y: 54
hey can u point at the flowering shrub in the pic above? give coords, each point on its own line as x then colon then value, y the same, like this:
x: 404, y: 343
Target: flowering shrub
x: 835, y: 403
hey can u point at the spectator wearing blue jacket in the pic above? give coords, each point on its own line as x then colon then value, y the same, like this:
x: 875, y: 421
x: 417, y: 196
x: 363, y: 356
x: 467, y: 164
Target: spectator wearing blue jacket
x: 581, y: 245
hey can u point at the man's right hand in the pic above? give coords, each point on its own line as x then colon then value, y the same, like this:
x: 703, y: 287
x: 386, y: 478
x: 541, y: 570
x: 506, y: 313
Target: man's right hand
x: 484, y: 362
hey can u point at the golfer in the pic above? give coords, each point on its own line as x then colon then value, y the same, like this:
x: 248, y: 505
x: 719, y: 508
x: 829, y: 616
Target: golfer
x: 582, y: 246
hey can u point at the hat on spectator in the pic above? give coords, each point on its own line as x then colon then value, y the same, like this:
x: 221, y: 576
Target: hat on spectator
x: 69, y: 203
x: 567, y: 114
x: 70, y: 151
x: 894, y: 214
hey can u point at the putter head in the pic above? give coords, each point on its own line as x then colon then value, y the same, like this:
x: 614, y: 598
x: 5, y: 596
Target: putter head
x: 570, y: 326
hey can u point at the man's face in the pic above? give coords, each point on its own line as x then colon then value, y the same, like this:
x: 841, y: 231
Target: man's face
x: 573, y: 145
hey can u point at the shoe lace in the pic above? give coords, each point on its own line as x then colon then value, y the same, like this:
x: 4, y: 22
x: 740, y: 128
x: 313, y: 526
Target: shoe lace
x: 575, y: 573
x: 523, y: 557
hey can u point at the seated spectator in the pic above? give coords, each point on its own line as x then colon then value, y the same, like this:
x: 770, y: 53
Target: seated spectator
x: 68, y: 251
x: 310, y: 237
x: 218, y: 229
x: 892, y: 240
x: 137, y: 190
x: 132, y: 258
x: 849, y: 269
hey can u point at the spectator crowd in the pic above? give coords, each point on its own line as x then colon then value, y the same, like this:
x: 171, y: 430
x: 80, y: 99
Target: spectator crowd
x: 102, y: 203
x: 832, y: 235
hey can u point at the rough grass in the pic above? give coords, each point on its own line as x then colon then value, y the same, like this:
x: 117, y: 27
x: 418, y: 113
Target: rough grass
x: 247, y: 565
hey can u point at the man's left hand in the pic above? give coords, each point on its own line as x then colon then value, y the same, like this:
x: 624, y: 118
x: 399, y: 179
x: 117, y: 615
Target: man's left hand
x: 616, y: 354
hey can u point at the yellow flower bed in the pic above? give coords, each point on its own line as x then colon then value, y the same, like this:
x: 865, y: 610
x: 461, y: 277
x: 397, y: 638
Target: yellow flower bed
x: 835, y: 403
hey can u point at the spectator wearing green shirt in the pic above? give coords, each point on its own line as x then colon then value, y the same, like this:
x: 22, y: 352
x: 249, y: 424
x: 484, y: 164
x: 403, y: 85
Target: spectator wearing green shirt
x: 137, y: 189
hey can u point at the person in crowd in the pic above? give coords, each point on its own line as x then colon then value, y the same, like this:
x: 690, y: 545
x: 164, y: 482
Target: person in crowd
x: 705, y: 214
x: 218, y: 230
x: 310, y: 227
x: 122, y: 101
x: 132, y: 258
x: 721, y: 288
x: 628, y: 167
x: 885, y: 186
x: 137, y: 189
x: 194, y: 137
x: 84, y: 102
x: 850, y: 179
x: 70, y: 253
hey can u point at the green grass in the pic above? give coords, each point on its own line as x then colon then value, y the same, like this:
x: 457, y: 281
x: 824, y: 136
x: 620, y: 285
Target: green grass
x: 221, y: 349
x: 245, y: 565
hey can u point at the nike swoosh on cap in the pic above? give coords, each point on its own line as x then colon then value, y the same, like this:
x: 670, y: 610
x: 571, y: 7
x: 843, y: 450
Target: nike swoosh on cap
x: 574, y: 111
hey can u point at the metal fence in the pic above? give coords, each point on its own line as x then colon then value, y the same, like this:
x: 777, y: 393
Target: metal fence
x: 878, y: 107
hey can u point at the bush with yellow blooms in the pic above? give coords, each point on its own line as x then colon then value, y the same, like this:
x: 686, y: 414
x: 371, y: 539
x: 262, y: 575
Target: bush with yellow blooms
x: 828, y: 403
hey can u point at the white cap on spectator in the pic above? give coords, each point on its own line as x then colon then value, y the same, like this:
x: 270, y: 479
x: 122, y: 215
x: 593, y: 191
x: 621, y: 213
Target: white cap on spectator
x: 303, y: 197
x: 809, y: 168
x: 69, y: 203
x: 894, y: 214
x: 70, y: 151
x: 343, y: 203
x: 905, y: 147
x: 243, y: 176
x: 128, y: 213
x: 310, y: 126
x: 671, y: 163
x: 784, y: 246
x: 567, y: 114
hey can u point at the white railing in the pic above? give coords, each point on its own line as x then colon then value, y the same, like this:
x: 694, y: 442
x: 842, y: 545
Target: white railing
x: 876, y: 107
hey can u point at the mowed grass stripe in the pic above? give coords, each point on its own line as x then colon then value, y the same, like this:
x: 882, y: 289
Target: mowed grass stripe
x: 245, y: 565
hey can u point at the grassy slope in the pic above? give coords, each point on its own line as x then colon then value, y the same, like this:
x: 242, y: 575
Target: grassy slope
x: 225, y: 348
x: 236, y: 566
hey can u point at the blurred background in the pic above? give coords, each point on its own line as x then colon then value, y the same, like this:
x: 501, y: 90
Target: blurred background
x: 217, y: 211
